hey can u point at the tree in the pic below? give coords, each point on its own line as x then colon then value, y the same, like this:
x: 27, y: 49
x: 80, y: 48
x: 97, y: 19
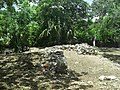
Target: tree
x: 4, y: 23
x: 16, y: 25
x: 108, y: 23
x: 59, y: 19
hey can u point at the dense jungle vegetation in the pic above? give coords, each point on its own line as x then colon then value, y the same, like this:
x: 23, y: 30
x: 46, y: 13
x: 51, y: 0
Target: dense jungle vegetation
x: 26, y: 23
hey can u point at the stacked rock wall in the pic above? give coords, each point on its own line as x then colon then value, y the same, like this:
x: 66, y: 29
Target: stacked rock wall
x: 52, y: 59
x: 55, y: 62
x: 83, y: 48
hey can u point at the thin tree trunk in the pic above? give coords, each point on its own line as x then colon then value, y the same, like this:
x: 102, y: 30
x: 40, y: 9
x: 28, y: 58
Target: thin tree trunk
x: 94, y: 41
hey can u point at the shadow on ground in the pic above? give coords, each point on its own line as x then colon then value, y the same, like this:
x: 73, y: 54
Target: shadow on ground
x: 114, y: 58
x: 20, y: 73
x: 109, y: 49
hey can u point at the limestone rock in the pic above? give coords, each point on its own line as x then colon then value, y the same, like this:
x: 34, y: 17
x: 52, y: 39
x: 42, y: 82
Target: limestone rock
x: 82, y: 85
x: 55, y: 62
x: 83, y: 48
x: 101, y: 78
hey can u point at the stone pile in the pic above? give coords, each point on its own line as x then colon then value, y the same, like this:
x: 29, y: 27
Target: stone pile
x: 102, y: 78
x: 55, y: 62
x: 52, y: 58
x: 80, y: 85
x: 83, y: 48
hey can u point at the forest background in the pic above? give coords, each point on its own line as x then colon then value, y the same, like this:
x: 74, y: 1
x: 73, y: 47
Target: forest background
x: 41, y: 23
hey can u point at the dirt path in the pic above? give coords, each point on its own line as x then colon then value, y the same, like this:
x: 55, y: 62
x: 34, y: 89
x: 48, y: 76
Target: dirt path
x: 93, y: 67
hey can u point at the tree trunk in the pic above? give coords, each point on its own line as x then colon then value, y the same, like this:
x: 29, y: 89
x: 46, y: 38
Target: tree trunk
x: 94, y: 41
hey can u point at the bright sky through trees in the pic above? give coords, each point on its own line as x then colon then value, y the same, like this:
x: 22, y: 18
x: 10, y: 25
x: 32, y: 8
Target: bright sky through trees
x: 89, y: 1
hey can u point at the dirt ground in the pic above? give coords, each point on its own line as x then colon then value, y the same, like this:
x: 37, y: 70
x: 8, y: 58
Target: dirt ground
x: 22, y: 72
x: 95, y: 66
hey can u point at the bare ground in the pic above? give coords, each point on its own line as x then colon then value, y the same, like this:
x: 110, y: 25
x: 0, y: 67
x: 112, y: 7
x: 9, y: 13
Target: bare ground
x: 19, y: 74
x: 93, y: 67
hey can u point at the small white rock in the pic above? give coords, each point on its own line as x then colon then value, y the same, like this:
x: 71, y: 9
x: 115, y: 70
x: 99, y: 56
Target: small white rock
x: 111, y: 78
x: 101, y: 78
x: 76, y: 62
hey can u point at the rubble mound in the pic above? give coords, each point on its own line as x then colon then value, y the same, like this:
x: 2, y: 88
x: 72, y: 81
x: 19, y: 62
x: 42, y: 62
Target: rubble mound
x: 51, y: 60
x: 55, y: 62
x: 37, y: 69
x: 83, y: 48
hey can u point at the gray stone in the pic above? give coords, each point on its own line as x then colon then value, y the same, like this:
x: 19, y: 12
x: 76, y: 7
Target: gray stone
x: 101, y: 78
x: 83, y: 85
x: 56, y: 61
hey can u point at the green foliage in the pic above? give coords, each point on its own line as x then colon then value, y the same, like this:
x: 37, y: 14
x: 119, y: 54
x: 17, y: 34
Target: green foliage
x: 107, y: 26
x: 59, y: 20
x: 26, y: 23
x: 33, y: 28
x: 4, y: 34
